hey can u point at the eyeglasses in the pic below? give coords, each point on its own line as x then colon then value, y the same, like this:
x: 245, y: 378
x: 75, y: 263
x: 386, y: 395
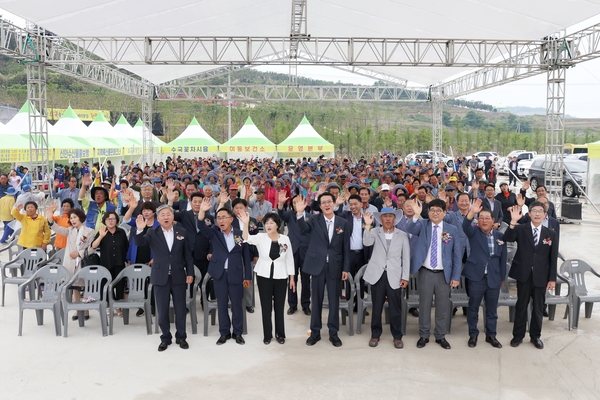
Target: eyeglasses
x: 435, y: 211
x: 222, y: 218
x: 326, y: 202
x: 110, y: 219
x: 537, y: 211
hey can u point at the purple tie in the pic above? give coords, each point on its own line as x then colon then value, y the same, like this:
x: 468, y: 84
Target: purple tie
x: 434, y: 245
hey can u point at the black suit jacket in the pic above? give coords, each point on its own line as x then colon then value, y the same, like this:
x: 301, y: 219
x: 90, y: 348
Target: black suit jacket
x: 180, y: 205
x: 538, y: 260
x: 298, y: 239
x: 553, y: 223
x: 187, y: 219
x: 238, y: 267
x: 179, y: 259
x: 319, y: 247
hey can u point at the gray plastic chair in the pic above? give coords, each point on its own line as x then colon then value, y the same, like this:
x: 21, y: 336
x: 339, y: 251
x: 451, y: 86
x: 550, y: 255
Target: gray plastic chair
x: 26, y: 263
x: 363, y: 303
x: 576, y: 270
x: 459, y: 298
x: 506, y: 299
x: 137, y: 276
x: 410, y: 300
x: 53, y: 277
x: 190, y: 303
x: 346, y: 305
x: 210, y: 308
x: 552, y: 299
x: 96, y: 280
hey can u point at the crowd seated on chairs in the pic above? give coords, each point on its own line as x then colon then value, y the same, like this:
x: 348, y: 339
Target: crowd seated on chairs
x: 73, y: 278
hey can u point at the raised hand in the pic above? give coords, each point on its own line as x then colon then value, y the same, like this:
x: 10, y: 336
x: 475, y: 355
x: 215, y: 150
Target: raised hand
x: 300, y: 206
x: 103, y: 230
x: 282, y: 197
x: 417, y: 207
x: 322, y: 189
x: 133, y: 202
x: 205, y: 206
x: 388, y: 202
x: 520, y: 200
x: 86, y: 180
x: 19, y: 206
x: 442, y: 195
x: 172, y: 195
x: 526, y: 185
x: 140, y: 223
x: 244, y: 216
x: 515, y: 214
x: 340, y: 200
x: 476, y: 206
x: 368, y: 217
x: 223, y: 196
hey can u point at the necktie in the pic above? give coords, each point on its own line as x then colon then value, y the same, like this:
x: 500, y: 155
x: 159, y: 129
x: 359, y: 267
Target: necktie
x: 535, y: 236
x: 196, y: 219
x: 328, y: 231
x: 434, y: 245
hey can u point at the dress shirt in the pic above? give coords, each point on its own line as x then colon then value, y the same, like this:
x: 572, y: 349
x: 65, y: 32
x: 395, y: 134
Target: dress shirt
x: 329, y: 225
x: 241, y: 225
x: 491, y: 202
x: 169, y: 237
x: 229, y: 240
x: 440, y: 264
x: 545, y: 221
x: 356, y: 242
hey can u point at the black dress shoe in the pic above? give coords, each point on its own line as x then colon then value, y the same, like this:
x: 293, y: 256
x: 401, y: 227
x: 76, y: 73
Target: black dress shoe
x: 140, y: 312
x: 515, y: 342
x: 224, y: 339
x: 250, y: 309
x: 86, y: 317
x: 75, y: 317
x: 280, y: 339
x: 545, y: 313
x: 537, y: 343
x: 267, y: 341
x: 454, y: 310
x: 312, y: 340
x: 306, y: 310
x: 472, y: 341
x: 163, y: 345
x: 493, y: 341
x: 239, y: 339
x: 291, y: 310
x: 414, y: 312
x: 335, y: 341
x: 422, y: 342
x: 182, y: 343
x: 444, y: 343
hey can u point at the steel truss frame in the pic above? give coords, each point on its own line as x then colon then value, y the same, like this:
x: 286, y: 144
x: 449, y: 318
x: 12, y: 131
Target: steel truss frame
x: 291, y: 93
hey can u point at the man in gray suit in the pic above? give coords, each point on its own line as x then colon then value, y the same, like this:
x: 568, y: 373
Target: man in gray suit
x: 388, y: 271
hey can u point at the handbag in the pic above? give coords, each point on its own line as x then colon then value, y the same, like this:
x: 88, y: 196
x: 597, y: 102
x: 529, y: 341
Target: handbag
x: 90, y: 259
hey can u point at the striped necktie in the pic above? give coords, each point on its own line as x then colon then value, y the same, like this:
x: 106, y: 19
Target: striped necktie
x: 434, y: 244
x: 535, y: 236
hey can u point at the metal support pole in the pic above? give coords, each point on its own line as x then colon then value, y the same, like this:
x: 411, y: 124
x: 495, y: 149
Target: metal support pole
x: 39, y: 152
x: 229, y: 107
x: 148, y: 145
x: 436, y: 142
x: 298, y: 31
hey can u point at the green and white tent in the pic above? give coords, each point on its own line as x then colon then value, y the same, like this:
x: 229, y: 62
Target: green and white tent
x: 249, y: 141
x: 70, y: 125
x: 122, y: 129
x: 15, y: 148
x: 194, y: 140
x: 64, y: 147
x: 305, y: 141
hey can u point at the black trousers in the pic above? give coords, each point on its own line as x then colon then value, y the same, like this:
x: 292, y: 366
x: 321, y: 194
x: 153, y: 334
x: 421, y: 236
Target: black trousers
x: 120, y: 286
x: 511, y: 177
x: 272, y: 296
x: 163, y: 295
x: 526, y: 292
x: 305, y: 287
x: 334, y: 288
x: 379, y: 291
x: 226, y: 291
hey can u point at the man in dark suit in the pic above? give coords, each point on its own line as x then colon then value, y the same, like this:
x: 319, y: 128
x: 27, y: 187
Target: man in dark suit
x: 540, y: 191
x: 438, y: 260
x: 490, y: 203
x: 240, y: 207
x: 189, y: 221
x: 172, y: 269
x: 299, y: 242
x: 534, y: 268
x: 485, y: 270
x: 327, y: 260
x: 146, y: 195
x: 230, y: 267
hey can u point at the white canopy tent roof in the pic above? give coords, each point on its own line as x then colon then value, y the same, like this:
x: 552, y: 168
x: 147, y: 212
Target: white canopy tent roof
x: 457, y: 19
x: 249, y: 141
x: 305, y: 141
x: 194, y: 140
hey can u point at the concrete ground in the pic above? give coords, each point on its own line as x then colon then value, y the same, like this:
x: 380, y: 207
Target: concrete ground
x: 127, y: 365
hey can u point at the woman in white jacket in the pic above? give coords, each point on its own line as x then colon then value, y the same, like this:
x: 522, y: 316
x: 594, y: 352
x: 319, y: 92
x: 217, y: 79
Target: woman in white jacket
x: 79, y: 245
x: 275, y: 264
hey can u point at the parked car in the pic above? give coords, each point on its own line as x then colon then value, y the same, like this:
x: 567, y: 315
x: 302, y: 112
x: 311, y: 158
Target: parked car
x: 481, y: 155
x: 577, y: 173
x: 577, y: 156
x: 524, y: 160
x: 441, y: 157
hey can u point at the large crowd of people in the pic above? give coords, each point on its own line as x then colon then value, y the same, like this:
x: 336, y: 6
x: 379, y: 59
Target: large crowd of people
x: 400, y: 219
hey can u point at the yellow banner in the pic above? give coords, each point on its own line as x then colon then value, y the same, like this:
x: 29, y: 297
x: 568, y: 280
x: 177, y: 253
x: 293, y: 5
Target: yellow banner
x: 84, y: 115
x: 248, y: 149
x: 190, y: 149
x: 67, y: 154
x: 302, y: 150
x: 133, y: 151
x: 116, y: 152
x: 19, y: 155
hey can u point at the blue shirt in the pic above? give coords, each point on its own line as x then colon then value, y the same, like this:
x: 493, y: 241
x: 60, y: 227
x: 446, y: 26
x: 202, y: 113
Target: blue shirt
x: 229, y: 240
